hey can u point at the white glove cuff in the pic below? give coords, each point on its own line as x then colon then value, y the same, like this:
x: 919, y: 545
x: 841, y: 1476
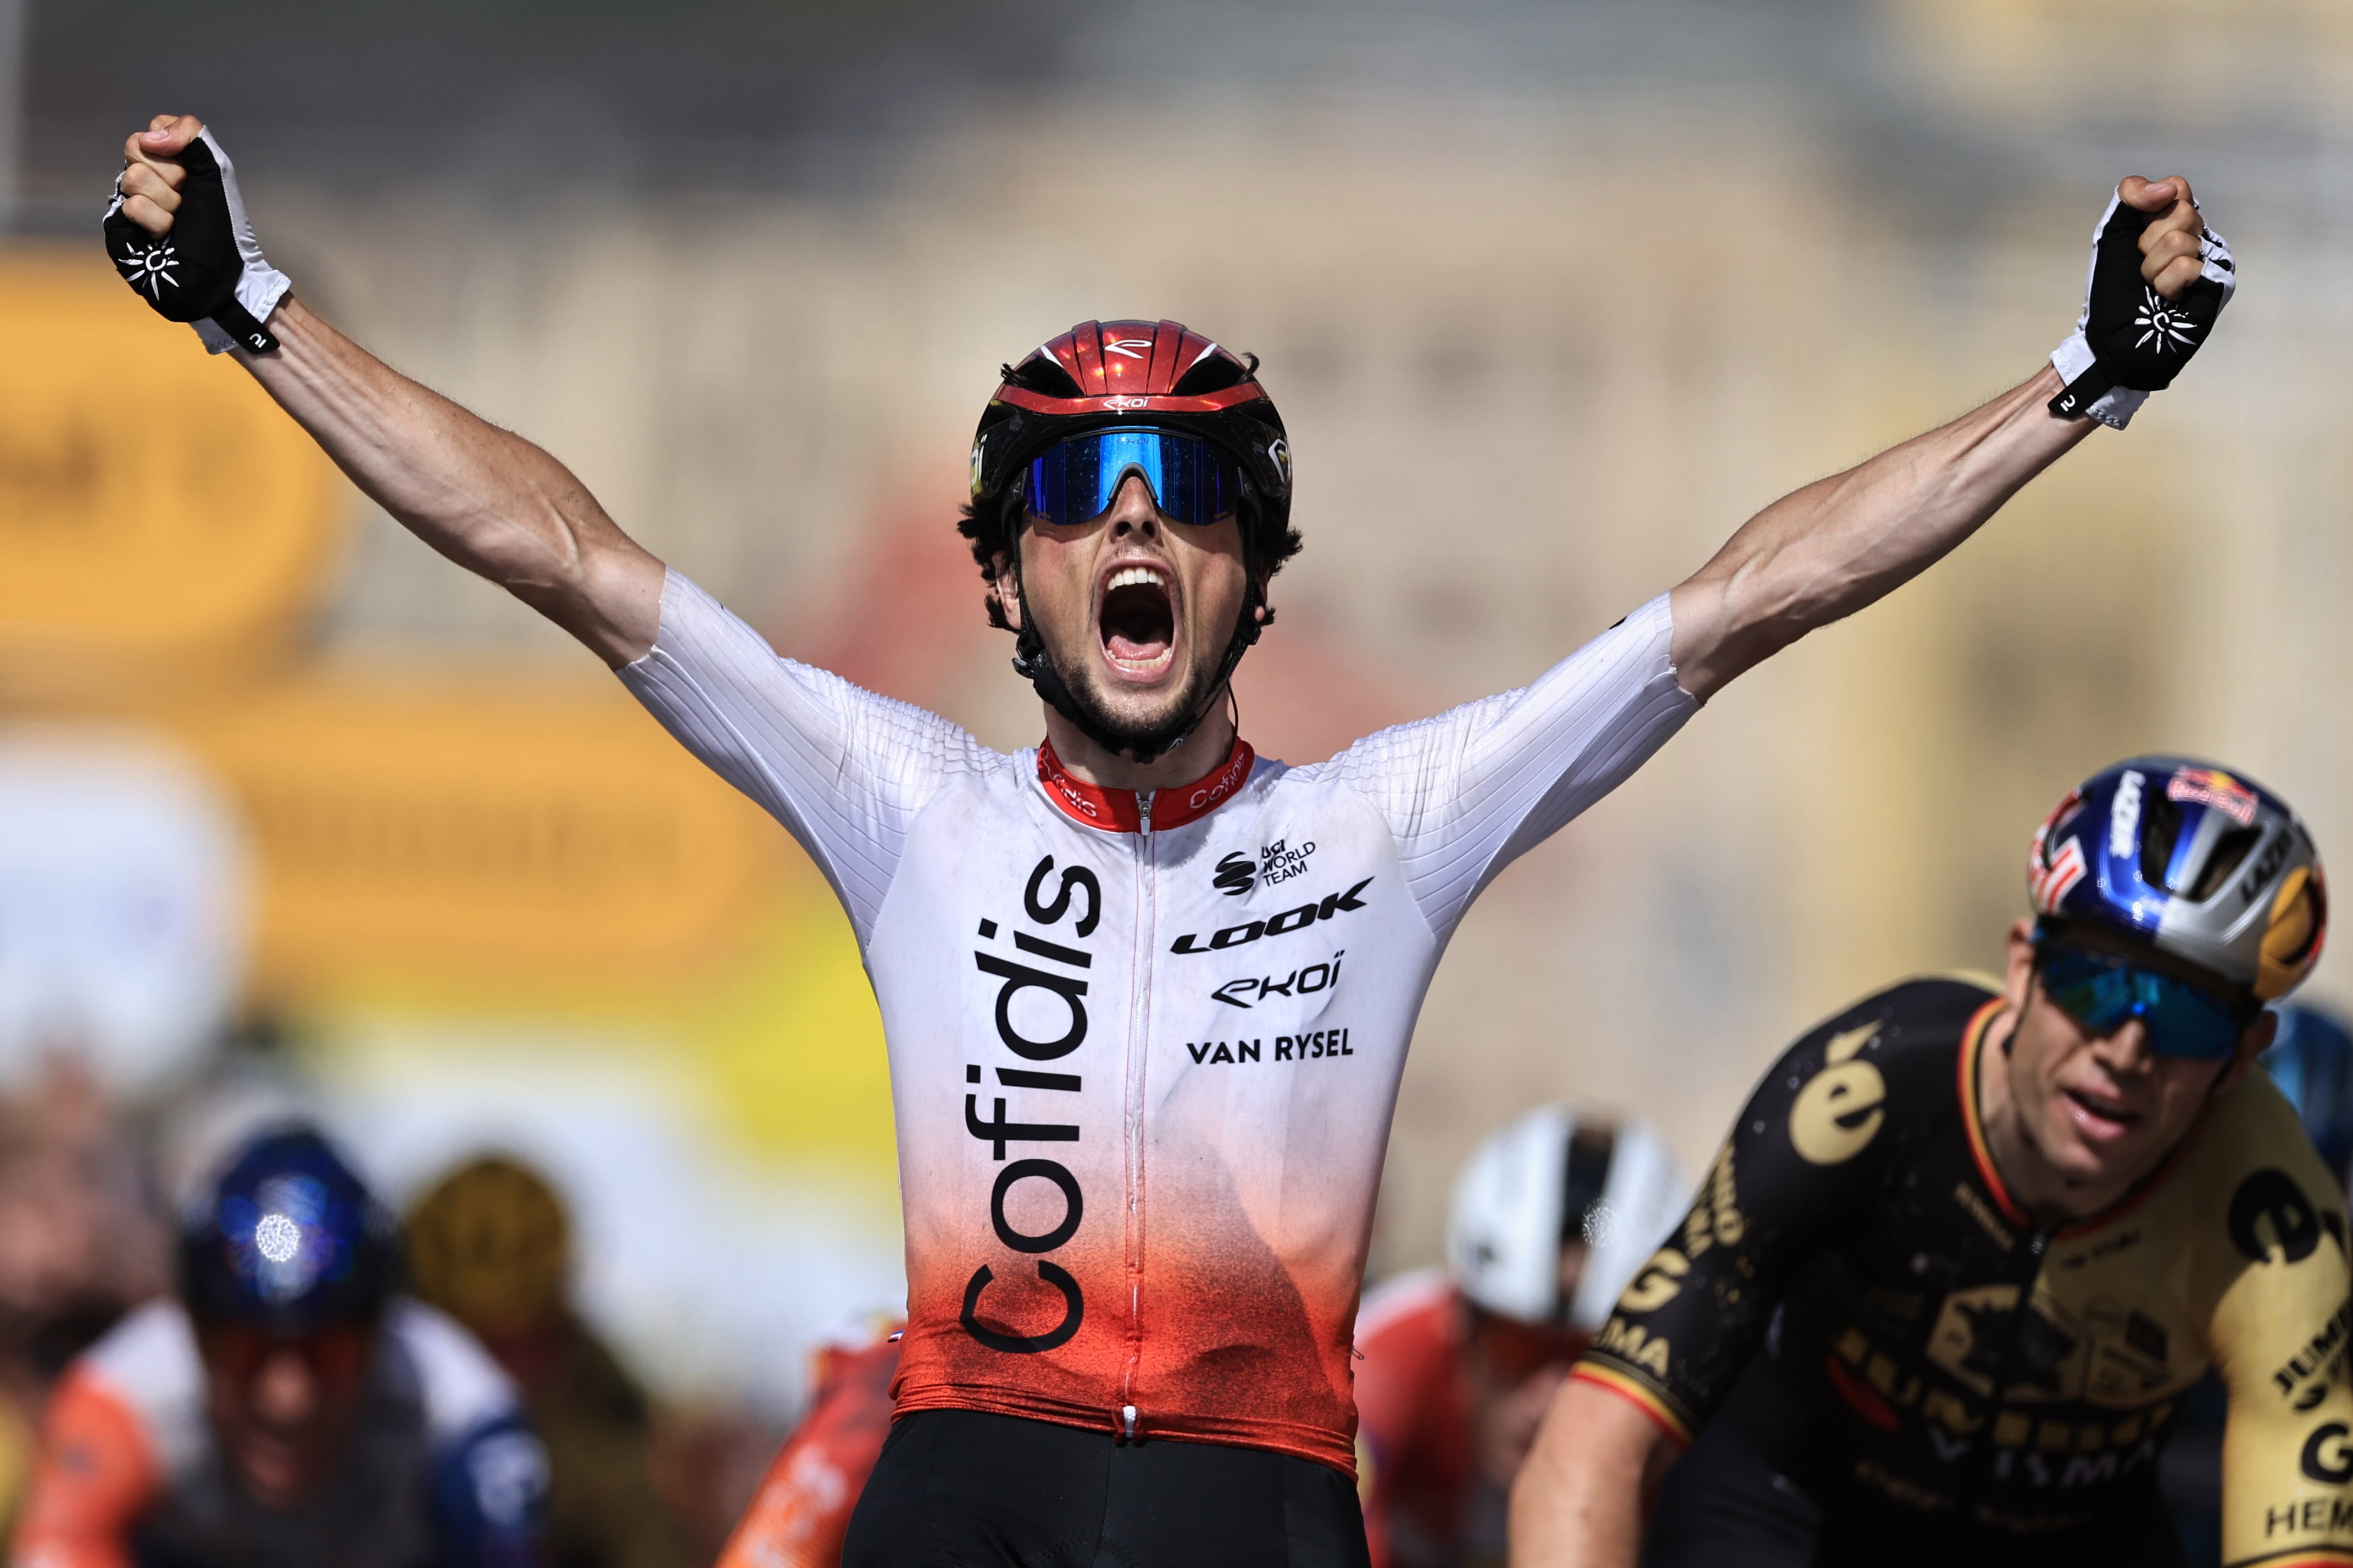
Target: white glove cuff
x: 2114, y: 409
x: 260, y: 285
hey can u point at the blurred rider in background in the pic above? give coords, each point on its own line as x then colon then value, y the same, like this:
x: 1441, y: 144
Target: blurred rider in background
x: 1552, y: 1216
x: 80, y: 1244
x: 801, y: 1513
x: 285, y: 1406
x: 491, y: 1245
x: 2310, y: 1060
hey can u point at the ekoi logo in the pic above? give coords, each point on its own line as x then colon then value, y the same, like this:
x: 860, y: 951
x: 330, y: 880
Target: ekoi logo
x: 1065, y: 984
x: 1305, y: 981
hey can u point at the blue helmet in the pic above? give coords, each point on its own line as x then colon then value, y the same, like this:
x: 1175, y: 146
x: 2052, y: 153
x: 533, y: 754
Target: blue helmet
x: 2205, y: 867
x: 286, y: 1239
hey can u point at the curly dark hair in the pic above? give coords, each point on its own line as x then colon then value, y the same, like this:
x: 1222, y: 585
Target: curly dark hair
x: 992, y: 527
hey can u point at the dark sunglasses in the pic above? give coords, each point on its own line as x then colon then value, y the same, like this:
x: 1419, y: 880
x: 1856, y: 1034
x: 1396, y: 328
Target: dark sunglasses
x: 2103, y: 991
x: 334, y: 1352
x: 1076, y: 480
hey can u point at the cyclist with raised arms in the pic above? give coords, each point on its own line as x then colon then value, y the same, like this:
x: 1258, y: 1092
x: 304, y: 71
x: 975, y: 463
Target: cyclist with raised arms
x: 1969, y: 1246
x: 1147, y: 995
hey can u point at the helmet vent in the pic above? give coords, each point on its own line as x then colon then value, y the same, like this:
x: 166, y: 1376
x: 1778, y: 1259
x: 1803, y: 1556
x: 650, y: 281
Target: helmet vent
x: 1211, y: 373
x: 1042, y: 372
x: 2228, y: 851
x: 1585, y: 1180
x: 2160, y: 826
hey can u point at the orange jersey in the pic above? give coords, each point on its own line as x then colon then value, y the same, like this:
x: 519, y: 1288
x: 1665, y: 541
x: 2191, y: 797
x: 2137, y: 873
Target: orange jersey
x: 802, y: 1509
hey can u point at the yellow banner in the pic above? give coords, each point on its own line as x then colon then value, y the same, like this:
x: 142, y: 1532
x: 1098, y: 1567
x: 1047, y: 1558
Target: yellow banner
x: 159, y: 517
x: 406, y: 825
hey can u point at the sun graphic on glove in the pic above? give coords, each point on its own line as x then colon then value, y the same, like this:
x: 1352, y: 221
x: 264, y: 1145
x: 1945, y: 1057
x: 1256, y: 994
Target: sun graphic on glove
x: 152, y: 268
x: 2161, y: 322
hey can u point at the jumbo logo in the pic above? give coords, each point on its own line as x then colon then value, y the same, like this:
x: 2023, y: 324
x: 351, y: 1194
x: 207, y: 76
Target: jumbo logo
x: 2271, y: 1221
x: 2328, y: 1457
x: 1839, y: 1112
x: 1660, y: 1282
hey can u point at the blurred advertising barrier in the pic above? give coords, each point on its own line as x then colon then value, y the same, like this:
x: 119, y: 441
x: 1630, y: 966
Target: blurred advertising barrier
x: 2046, y: 60
x: 161, y: 521
x: 408, y: 826
x: 124, y: 883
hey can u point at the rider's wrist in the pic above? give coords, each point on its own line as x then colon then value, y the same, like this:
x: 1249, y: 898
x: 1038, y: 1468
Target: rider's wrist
x: 2114, y: 407
x: 259, y: 288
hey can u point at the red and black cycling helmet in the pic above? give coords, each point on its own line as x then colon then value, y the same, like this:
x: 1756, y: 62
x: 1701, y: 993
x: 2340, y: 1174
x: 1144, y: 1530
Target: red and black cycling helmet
x: 1158, y: 375
x: 1161, y: 373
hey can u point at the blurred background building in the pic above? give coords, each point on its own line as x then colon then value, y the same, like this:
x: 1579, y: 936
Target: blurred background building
x: 1553, y: 296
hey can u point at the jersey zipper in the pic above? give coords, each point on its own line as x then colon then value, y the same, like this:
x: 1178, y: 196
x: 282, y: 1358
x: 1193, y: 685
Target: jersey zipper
x: 1139, y: 1031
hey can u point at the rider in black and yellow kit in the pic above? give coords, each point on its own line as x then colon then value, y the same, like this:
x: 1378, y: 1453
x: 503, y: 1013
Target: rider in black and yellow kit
x: 1967, y: 1246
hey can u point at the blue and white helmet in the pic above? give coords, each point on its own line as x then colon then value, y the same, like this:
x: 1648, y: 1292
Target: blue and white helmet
x: 286, y: 1239
x: 2204, y: 866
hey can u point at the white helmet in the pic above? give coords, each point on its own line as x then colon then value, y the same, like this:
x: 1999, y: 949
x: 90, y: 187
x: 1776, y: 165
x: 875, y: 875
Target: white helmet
x: 1554, y: 1176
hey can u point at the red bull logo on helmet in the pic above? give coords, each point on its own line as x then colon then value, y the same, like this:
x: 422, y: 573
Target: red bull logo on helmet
x: 2212, y: 786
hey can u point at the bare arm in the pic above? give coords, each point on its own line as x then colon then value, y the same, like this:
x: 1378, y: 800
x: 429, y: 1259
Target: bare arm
x: 1579, y: 1499
x: 485, y: 497
x: 1825, y: 551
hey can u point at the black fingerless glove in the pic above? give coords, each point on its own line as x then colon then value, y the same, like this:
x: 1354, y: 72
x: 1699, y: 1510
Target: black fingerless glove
x: 2131, y: 340
x: 208, y: 270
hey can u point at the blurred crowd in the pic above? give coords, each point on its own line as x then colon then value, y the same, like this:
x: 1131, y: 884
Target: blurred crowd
x: 95, y: 1192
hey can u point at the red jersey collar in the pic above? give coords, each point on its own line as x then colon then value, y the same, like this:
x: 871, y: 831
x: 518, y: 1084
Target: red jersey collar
x: 1116, y: 809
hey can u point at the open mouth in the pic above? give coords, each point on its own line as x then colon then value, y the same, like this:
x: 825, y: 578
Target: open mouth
x: 2098, y: 1117
x: 1138, y: 623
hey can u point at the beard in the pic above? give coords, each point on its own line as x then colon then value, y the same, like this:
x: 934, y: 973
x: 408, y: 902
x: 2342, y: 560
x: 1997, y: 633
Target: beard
x: 1141, y: 734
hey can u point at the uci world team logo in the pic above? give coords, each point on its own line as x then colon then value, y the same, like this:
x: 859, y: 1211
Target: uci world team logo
x: 1277, y: 862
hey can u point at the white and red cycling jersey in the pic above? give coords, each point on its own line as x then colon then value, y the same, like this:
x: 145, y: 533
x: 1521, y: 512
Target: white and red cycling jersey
x: 1145, y: 1046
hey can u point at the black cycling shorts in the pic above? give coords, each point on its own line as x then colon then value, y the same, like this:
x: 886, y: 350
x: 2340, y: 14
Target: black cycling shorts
x: 1732, y: 1499
x: 971, y: 1490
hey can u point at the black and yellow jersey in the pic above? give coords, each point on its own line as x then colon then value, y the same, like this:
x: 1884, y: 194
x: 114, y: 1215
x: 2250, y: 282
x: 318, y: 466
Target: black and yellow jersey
x: 1854, y: 1227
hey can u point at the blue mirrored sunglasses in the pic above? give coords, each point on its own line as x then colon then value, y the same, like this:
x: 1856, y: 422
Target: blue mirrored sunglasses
x: 2103, y: 992
x: 1075, y: 481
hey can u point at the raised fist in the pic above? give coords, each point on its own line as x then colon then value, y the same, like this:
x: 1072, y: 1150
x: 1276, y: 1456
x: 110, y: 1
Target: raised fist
x: 2157, y: 279
x: 176, y: 230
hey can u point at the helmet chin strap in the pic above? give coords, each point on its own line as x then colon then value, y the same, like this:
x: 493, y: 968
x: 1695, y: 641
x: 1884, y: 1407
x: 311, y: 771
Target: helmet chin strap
x: 1031, y: 661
